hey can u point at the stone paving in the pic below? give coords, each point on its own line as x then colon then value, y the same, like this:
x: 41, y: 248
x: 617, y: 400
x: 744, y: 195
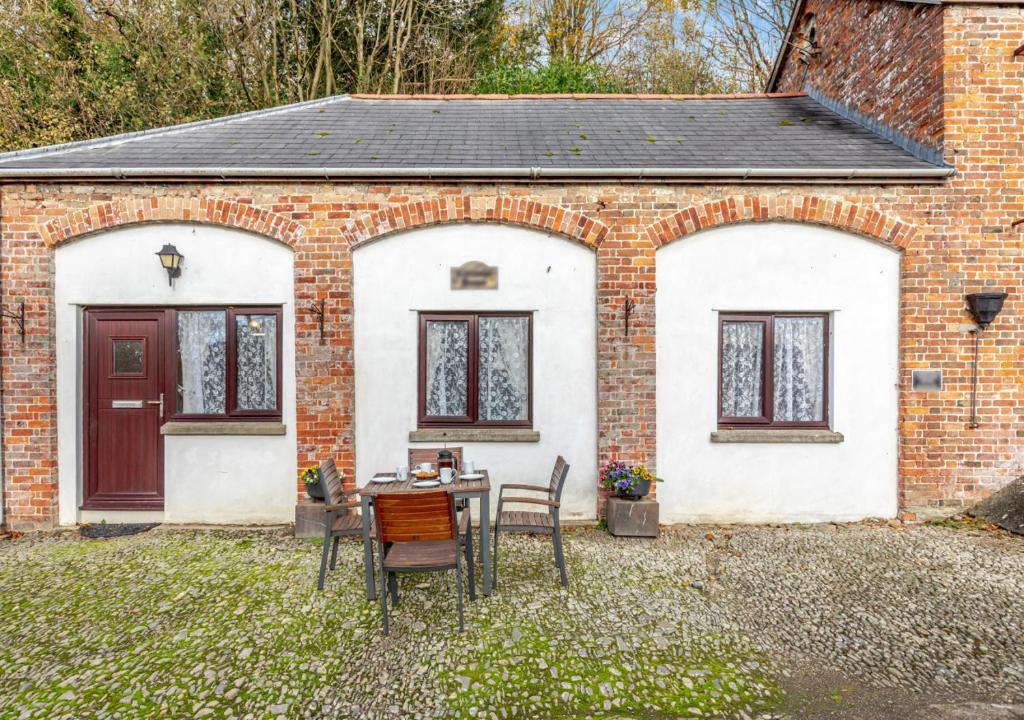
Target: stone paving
x: 745, y: 623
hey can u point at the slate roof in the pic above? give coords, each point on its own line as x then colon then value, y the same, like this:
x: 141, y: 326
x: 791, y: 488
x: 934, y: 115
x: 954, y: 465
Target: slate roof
x: 521, y: 136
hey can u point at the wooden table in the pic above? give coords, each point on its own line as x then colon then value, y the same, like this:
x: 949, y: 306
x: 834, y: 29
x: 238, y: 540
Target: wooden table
x: 461, y: 488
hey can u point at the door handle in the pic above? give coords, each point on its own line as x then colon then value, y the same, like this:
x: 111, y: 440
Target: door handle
x: 159, y: 402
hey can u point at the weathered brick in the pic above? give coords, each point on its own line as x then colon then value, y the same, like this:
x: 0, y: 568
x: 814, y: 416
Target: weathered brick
x: 955, y: 237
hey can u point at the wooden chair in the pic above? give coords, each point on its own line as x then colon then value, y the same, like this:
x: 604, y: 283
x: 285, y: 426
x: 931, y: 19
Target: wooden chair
x: 422, y: 455
x: 338, y: 522
x: 418, y: 532
x: 545, y: 523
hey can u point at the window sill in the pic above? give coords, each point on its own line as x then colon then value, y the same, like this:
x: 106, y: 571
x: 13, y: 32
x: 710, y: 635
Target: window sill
x: 524, y: 435
x: 222, y: 428
x: 810, y: 436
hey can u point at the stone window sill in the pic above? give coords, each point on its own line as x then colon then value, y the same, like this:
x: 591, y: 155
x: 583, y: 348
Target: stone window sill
x: 222, y: 428
x: 814, y: 436
x: 523, y: 435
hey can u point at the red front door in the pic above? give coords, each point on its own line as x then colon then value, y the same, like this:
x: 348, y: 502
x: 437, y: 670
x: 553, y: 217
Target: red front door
x: 124, y: 373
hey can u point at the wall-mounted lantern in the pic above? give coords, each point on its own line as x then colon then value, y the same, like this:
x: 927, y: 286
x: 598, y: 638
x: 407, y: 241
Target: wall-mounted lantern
x: 983, y: 307
x: 171, y: 259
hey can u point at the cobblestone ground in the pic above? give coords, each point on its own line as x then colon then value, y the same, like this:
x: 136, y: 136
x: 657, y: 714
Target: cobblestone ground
x: 705, y: 622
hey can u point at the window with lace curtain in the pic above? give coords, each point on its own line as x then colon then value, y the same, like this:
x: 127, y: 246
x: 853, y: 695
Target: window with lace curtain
x: 475, y: 369
x: 773, y: 370
x: 227, y: 363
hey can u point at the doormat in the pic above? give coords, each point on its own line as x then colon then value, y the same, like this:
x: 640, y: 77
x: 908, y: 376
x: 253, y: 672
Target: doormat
x: 100, y: 531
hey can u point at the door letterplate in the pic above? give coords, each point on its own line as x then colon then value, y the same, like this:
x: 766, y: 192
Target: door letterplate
x: 115, y: 404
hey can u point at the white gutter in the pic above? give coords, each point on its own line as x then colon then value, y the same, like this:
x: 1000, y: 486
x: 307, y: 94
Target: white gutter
x: 463, y: 173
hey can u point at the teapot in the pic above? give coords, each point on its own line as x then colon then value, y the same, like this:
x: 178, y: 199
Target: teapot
x: 447, y: 459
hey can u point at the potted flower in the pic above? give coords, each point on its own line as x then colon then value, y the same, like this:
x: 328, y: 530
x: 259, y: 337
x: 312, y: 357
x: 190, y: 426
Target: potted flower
x: 631, y: 482
x: 311, y: 477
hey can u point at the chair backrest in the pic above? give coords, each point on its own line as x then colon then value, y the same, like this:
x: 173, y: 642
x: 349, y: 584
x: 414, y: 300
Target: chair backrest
x: 415, y: 516
x: 421, y: 455
x: 558, y: 478
x: 330, y: 481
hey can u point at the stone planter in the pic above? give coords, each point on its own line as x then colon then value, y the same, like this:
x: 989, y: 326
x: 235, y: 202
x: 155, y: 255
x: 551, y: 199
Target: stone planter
x: 632, y: 518
x: 309, y: 519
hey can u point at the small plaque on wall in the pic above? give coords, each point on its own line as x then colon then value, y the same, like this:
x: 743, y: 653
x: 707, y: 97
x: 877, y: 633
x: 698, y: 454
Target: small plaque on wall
x: 474, y: 275
x: 925, y: 380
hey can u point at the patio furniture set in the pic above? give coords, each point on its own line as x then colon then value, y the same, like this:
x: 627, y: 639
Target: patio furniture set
x: 415, y: 522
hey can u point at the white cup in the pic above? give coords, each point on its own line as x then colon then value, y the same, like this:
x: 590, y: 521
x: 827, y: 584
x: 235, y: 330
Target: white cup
x: 424, y: 467
x: 468, y: 467
x: 402, y: 473
x: 447, y: 475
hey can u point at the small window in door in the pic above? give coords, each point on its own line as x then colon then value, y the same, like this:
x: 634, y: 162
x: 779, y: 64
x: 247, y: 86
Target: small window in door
x: 129, y: 356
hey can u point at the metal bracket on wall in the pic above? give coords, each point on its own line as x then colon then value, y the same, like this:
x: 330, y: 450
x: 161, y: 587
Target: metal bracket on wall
x: 18, y: 317
x: 320, y: 309
x: 627, y: 310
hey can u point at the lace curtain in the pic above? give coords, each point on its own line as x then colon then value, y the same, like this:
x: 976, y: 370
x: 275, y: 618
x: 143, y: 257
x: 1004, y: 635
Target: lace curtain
x: 799, y: 368
x: 742, y: 369
x: 447, y: 368
x: 256, y: 348
x: 504, y: 368
x: 201, y: 362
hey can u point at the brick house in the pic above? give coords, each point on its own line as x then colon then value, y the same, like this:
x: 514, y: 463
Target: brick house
x: 735, y: 290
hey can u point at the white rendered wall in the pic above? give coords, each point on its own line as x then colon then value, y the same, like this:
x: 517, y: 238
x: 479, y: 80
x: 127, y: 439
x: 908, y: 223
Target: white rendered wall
x: 777, y: 267
x: 399, y: 275
x: 207, y: 479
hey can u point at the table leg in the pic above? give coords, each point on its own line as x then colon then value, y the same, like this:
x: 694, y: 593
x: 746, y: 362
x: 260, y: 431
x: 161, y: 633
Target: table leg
x: 364, y: 506
x: 485, y: 540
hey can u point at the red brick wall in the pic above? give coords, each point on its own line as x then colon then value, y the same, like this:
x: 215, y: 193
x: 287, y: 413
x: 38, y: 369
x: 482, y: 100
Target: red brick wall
x: 880, y: 57
x: 955, y: 238
x: 29, y: 407
x: 972, y: 246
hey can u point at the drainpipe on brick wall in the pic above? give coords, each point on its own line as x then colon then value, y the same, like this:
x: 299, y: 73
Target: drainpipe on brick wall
x: 3, y: 426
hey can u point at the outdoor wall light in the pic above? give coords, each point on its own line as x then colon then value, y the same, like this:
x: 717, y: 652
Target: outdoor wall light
x: 983, y: 308
x: 171, y: 259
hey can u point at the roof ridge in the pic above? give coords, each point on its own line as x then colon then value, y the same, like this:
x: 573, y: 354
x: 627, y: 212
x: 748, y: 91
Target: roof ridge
x: 579, y: 96
x: 122, y: 138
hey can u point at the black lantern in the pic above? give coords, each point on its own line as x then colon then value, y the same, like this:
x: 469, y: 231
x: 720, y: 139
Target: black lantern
x: 985, y: 306
x: 171, y: 259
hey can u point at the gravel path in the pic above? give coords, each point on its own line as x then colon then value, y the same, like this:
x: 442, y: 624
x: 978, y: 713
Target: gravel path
x: 705, y: 622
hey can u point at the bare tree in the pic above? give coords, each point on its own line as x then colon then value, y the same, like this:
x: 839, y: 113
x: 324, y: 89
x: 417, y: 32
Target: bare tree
x: 743, y: 37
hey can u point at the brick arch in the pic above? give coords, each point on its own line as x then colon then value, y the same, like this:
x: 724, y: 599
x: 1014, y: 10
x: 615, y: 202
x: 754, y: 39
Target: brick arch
x: 839, y: 214
x: 502, y: 209
x: 211, y: 211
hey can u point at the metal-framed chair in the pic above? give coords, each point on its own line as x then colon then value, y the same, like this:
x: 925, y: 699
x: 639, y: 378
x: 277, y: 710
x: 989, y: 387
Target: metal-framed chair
x: 544, y: 523
x: 419, y: 455
x: 418, y: 532
x: 338, y: 521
